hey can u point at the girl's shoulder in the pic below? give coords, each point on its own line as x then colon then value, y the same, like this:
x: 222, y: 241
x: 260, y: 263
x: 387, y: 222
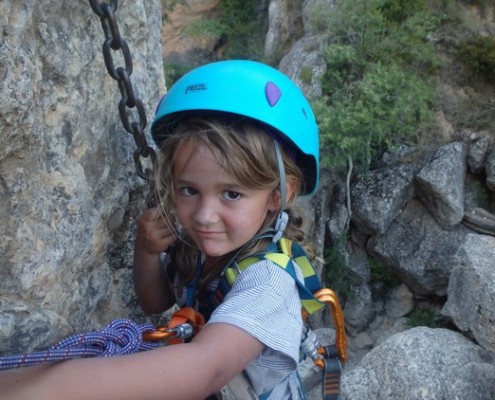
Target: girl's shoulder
x: 267, y: 275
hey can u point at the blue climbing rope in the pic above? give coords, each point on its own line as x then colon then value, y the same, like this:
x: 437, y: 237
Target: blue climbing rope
x: 119, y: 337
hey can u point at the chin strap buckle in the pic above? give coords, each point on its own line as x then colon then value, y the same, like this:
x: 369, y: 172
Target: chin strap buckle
x: 280, y: 225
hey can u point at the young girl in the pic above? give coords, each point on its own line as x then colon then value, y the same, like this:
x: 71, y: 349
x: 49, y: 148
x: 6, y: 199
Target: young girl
x: 238, y: 144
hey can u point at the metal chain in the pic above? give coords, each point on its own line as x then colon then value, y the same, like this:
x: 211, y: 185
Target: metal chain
x: 131, y: 109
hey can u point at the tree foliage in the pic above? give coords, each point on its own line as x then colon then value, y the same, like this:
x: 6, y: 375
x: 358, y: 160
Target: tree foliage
x: 478, y: 54
x: 237, y: 24
x: 243, y: 28
x: 375, y: 90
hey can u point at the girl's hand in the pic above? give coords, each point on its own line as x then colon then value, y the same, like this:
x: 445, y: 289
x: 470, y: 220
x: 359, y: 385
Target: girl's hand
x: 153, y: 234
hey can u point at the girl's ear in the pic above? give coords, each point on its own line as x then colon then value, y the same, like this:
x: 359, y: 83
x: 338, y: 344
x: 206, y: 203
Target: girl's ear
x: 290, y: 188
x: 274, y: 201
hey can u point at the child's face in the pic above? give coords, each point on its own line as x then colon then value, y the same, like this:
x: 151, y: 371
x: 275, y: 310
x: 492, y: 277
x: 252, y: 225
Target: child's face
x: 213, y: 208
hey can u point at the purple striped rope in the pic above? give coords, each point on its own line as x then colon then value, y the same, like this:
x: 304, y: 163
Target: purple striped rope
x: 119, y: 337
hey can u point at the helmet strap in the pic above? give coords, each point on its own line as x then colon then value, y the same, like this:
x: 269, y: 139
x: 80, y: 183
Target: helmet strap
x: 283, y: 217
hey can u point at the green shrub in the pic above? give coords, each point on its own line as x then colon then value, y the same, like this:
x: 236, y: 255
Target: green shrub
x: 375, y: 90
x: 343, y: 67
x: 242, y: 27
x: 306, y: 75
x: 380, y: 273
x: 173, y: 72
x: 206, y: 28
x: 423, y: 317
x: 386, y: 104
x: 479, y: 55
x: 320, y: 17
x: 338, y: 275
x: 399, y: 11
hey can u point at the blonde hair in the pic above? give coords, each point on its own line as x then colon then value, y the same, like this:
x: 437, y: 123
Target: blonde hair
x: 246, y: 149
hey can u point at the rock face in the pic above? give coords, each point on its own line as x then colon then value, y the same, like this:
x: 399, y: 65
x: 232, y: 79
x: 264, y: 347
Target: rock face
x: 66, y: 170
x: 178, y: 45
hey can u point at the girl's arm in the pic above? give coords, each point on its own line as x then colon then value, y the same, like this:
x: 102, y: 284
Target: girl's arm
x: 153, y: 237
x: 179, y: 372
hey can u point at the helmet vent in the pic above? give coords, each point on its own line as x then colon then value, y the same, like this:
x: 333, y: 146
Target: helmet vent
x: 273, y: 93
x: 305, y: 113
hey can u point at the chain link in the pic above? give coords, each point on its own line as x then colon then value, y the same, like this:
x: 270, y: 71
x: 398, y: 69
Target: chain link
x: 131, y: 109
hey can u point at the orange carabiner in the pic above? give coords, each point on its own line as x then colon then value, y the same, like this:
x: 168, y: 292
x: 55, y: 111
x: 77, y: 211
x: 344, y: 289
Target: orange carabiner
x: 161, y: 333
x: 329, y: 297
x: 183, y: 316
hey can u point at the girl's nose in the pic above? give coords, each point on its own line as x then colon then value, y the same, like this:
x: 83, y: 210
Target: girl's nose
x: 206, y: 213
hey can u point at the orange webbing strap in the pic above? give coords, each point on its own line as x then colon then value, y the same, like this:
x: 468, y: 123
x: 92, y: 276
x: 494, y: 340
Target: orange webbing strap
x: 331, y: 379
x: 184, y: 315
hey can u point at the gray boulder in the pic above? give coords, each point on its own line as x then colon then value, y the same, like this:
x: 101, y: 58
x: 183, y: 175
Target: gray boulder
x: 418, y: 250
x: 422, y: 364
x: 440, y: 184
x: 471, y: 291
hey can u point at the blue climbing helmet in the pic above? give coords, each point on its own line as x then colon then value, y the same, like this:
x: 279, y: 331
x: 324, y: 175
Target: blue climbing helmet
x: 253, y: 90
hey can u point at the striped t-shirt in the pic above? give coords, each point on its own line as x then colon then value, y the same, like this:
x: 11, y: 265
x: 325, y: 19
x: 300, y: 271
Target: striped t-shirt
x: 264, y: 302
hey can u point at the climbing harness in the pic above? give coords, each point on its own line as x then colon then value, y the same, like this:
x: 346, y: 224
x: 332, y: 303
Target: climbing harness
x: 131, y: 108
x: 329, y: 359
x: 286, y: 254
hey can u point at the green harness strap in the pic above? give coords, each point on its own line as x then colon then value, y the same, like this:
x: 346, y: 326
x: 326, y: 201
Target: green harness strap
x: 284, y: 255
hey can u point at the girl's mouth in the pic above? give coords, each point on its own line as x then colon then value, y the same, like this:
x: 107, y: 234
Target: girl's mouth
x: 208, y: 234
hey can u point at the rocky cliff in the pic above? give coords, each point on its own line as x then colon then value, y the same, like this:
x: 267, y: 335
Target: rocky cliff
x: 69, y: 186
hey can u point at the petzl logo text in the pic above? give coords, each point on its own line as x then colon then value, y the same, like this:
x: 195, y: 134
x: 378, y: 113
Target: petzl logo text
x: 196, y: 88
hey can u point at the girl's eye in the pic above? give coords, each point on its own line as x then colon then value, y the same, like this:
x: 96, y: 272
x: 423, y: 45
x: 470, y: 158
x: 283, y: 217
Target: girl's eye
x: 187, y: 191
x: 231, y: 195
